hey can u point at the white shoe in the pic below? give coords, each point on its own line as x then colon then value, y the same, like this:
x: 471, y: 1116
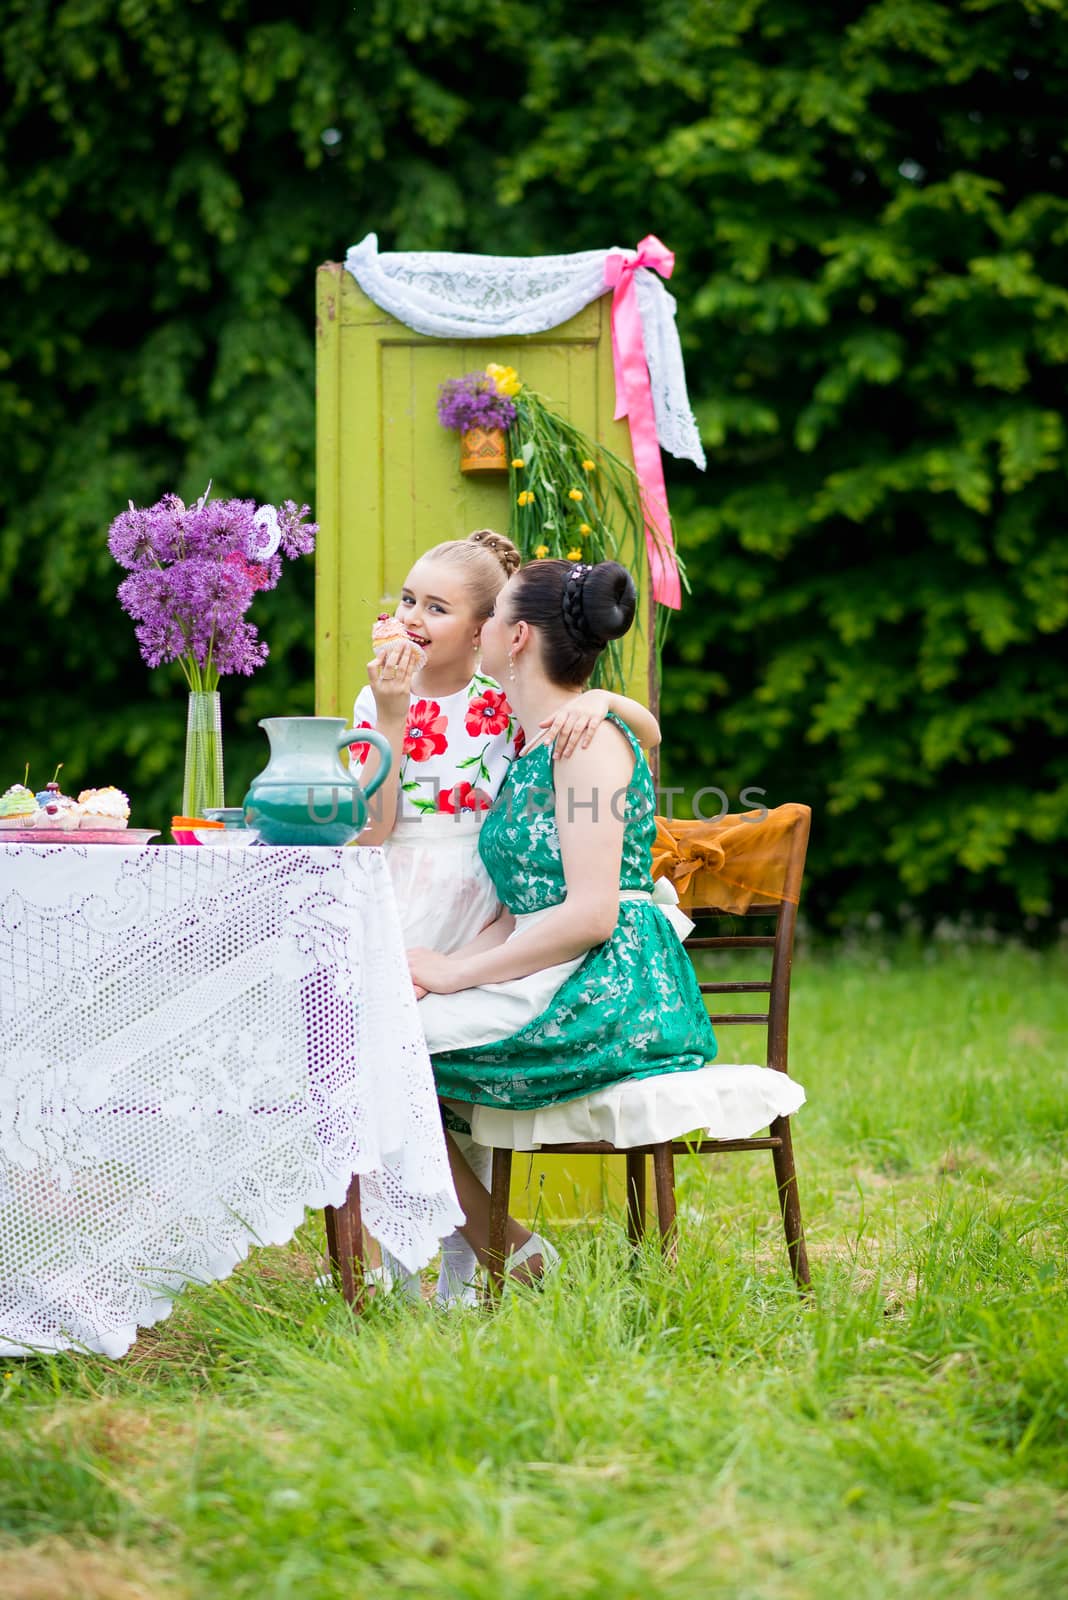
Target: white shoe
x: 463, y: 1299
x: 535, y: 1246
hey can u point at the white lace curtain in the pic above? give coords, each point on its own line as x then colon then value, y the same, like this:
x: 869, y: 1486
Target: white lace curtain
x: 452, y: 296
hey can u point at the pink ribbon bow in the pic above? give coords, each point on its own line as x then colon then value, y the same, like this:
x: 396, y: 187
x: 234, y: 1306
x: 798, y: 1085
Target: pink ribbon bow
x: 634, y: 400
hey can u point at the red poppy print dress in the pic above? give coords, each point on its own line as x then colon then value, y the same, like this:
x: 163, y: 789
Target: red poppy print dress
x: 457, y: 751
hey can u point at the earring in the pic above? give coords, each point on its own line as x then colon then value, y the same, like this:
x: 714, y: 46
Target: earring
x: 511, y: 666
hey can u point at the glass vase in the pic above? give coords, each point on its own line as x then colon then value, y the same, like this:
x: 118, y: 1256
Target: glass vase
x: 203, y: 784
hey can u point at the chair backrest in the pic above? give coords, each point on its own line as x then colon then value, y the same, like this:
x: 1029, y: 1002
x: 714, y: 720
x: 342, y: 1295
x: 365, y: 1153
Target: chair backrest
x: 783, y: 908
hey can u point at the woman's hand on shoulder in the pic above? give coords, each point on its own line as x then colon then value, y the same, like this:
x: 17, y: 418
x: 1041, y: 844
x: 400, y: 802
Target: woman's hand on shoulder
x: 605, y: 749
x: 575, y: 724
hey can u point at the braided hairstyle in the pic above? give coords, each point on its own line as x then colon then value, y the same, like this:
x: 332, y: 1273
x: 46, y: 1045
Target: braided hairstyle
x: 576, y: 610
x: 486, y: 560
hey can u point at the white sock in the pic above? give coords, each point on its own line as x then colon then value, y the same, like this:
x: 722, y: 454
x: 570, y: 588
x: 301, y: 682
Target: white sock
x: 401, y: 1278
x: 459, y: 1264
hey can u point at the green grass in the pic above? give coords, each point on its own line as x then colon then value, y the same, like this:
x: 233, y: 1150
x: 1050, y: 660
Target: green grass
x: 634, y: 1431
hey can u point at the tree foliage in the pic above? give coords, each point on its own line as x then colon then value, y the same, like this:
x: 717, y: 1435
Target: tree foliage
x: 867, y: 205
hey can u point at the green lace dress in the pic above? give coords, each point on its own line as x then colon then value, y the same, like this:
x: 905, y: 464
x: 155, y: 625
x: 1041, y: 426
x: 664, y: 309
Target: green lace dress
x: 630, y: 1008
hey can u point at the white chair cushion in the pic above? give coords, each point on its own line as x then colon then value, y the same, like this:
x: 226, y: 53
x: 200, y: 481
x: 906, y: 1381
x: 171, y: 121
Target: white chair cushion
x: 726, y: 1101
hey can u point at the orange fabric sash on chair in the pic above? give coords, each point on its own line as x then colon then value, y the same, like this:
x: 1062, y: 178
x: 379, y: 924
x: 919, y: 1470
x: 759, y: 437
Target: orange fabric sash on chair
x: 733, y: 862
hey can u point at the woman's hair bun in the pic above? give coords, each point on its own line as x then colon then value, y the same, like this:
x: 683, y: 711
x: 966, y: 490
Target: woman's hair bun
x: 499, y: 545
x: 576, y: 610
x: 609, y: 600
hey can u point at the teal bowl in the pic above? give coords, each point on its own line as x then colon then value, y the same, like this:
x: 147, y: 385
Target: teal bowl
x: 229, y: 816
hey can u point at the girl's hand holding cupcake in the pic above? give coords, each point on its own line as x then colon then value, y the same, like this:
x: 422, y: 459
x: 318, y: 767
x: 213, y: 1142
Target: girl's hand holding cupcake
x: 390, y: 676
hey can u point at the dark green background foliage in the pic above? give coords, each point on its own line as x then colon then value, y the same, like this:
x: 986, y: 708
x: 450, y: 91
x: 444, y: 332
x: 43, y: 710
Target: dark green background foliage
x: 866, y: 202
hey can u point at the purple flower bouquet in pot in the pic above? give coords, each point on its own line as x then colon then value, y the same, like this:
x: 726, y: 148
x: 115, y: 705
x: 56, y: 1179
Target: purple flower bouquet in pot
x: 480, y: 409
x: 193, y: 573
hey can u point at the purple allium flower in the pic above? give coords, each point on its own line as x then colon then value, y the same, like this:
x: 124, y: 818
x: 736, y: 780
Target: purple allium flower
x: 242, y: 650
x: 298, y: 537
x: 474, y: 401
x: 141, y: 538
x: 194, y: 571
x: 161, y: 640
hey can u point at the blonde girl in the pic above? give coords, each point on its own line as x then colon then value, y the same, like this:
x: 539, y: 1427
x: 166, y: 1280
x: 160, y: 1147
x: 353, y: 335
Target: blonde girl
x: 453, y: 735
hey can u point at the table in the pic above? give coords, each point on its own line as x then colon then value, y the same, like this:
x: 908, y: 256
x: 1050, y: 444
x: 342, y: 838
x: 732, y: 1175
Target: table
x: 195, y: 1045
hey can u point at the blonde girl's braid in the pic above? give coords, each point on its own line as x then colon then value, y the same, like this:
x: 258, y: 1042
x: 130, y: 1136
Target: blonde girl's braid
x: 486, y: 560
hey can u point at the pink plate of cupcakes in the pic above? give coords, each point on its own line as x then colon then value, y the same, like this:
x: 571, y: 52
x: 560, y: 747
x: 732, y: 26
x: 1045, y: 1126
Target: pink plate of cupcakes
x: 98, y: 816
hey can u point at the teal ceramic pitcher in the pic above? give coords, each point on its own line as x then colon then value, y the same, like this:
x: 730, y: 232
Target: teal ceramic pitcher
x: 304, y: 795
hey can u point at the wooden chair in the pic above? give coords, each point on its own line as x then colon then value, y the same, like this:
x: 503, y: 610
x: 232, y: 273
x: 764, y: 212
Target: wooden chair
x: 725, y: 887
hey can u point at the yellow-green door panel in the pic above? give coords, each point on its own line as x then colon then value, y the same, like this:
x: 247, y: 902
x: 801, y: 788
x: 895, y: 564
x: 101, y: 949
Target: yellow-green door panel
x: 389, y: 487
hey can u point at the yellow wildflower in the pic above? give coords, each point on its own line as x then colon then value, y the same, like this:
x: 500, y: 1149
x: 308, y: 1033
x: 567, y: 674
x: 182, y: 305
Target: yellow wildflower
x: 574, y: 494
x: 588, y: 465
x: 506, y: 378
x: 519, y: 463
x: 574, y: 555
x: 542, y: 551
x: 585, y: 528
x: 525, y: 497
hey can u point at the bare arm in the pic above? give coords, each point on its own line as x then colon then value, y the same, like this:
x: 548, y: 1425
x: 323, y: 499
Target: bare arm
x: 390, y: 677
x: 639, y: 719
x: 493, y: 934
x: 591, y: 848
x: 578, y: 721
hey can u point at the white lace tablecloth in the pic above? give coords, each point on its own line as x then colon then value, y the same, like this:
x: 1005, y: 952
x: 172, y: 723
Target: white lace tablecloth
x: 195, y: 1045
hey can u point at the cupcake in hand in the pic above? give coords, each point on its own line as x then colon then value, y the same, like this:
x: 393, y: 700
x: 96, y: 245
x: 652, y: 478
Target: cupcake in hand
x: 389, y: 631
x: 104, y: 808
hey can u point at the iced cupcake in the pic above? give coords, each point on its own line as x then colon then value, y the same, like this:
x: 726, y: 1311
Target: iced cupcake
x: 103, y: 808
x: 389, y: 630
x: 55, y: 809
x: 50, y: 790
x: 59, y: 811
x: 17, y: 807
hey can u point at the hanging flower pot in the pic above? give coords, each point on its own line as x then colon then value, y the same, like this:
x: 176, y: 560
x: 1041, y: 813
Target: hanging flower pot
x: 481, y: 412
x: 483, y: 450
